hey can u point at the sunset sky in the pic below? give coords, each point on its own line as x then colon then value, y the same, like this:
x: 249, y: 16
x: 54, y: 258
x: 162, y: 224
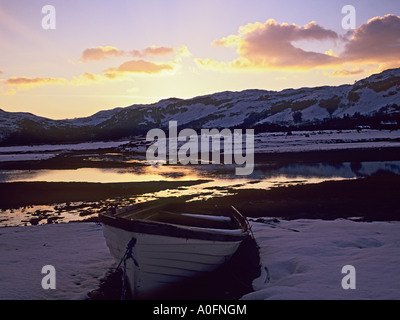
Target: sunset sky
x: 105, y: 54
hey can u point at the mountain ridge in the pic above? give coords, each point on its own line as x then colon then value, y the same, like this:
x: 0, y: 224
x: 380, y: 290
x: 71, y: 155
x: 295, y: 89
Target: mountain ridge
x: 368, y: 102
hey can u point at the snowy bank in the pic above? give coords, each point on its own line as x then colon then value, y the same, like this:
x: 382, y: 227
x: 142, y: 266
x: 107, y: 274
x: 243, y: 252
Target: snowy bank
x: 304, y: 259
x: 77, y: 251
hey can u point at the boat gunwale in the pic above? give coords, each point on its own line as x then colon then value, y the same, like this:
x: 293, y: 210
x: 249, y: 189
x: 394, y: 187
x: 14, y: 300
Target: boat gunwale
x: 175, y: 230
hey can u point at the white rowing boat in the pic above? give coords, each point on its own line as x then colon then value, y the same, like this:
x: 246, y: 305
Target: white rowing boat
x: 167, y: 246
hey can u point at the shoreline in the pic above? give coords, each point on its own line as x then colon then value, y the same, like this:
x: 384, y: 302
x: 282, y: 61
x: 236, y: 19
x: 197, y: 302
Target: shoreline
x: 366, y: 199
x: 373, y: 198
x: 47, y: 193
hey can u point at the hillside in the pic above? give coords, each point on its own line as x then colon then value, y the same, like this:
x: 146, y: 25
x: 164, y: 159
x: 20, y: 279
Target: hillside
x: 373, y: 102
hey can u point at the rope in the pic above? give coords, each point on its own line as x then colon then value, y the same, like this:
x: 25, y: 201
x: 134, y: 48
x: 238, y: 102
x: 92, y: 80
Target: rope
x: 128, y: 255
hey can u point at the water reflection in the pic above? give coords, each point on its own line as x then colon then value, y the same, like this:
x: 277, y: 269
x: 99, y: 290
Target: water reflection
x: 266, y: 173
x: 221, y: 181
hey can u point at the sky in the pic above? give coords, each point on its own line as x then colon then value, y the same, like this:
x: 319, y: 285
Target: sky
x: 79, y: 57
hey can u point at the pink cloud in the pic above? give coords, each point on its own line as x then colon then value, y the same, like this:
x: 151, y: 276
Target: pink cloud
x: 377, y: 41
x: 152, y: 52
x: 270, y: 45
x: 100, y: 53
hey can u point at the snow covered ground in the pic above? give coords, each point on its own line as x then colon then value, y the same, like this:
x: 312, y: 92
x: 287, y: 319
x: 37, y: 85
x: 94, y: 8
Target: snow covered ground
x: 47, y: 151
x: 271, y: 142
x: 77, y: 251
x: 305, y: 264
x: 302, y: 141
x: 64, y: 147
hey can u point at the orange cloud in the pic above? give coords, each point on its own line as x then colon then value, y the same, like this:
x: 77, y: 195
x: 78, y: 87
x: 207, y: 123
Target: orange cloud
x: 138, y: 66
x: 152, y: 52
x: 130, y: 67
x: 87, y: 78
x: 100, y: 53
x: 23, y: 83
x: 31, y: 82
x: 348, y: 73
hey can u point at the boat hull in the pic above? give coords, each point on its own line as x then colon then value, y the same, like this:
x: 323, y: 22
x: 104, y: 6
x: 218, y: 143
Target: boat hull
x: 163, y: 260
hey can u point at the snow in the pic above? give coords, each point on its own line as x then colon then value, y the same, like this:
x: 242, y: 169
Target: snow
x: 26, y: 157
x: 304, y: 259
x: 301, y: 141
x: 63, y: 147
x: 47, y: 151
x: 275, y: 142
x: 77, y: 251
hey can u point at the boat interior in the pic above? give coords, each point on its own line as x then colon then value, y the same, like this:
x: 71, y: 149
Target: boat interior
x: 171, y: 214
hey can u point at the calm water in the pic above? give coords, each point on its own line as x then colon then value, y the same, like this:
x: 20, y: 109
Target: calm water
x: 221, y: 182
x: 223, y: 174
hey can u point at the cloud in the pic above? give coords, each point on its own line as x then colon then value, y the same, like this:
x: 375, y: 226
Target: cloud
x: 138, y: 66
x: 348, y: 73
x: 100, y: 53
x: 270, y: 45
x: 15, y: 84
x: 152, y: 52
x: 87, y: 78
x: 377, y: 41
x: 31, y: 82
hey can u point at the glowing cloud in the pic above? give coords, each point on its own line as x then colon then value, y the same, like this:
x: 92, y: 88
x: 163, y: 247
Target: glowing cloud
x: 377, y: 41
x: 348, y: 73
x: 269, y: 45
x: 152, y: 52
x: 100, y: 53
x: 138, y: 66
x: 31, y: 82
x: 23, y: 83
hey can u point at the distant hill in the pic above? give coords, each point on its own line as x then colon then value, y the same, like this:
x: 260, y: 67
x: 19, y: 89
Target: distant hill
x: 373, y: 102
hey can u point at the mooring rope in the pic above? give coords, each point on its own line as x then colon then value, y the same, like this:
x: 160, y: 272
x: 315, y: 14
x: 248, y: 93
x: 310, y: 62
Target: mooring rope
x: 128, y: 255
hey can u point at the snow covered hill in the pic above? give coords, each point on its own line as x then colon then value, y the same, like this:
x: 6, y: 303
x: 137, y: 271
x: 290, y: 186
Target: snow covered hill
x: 374, y: 101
